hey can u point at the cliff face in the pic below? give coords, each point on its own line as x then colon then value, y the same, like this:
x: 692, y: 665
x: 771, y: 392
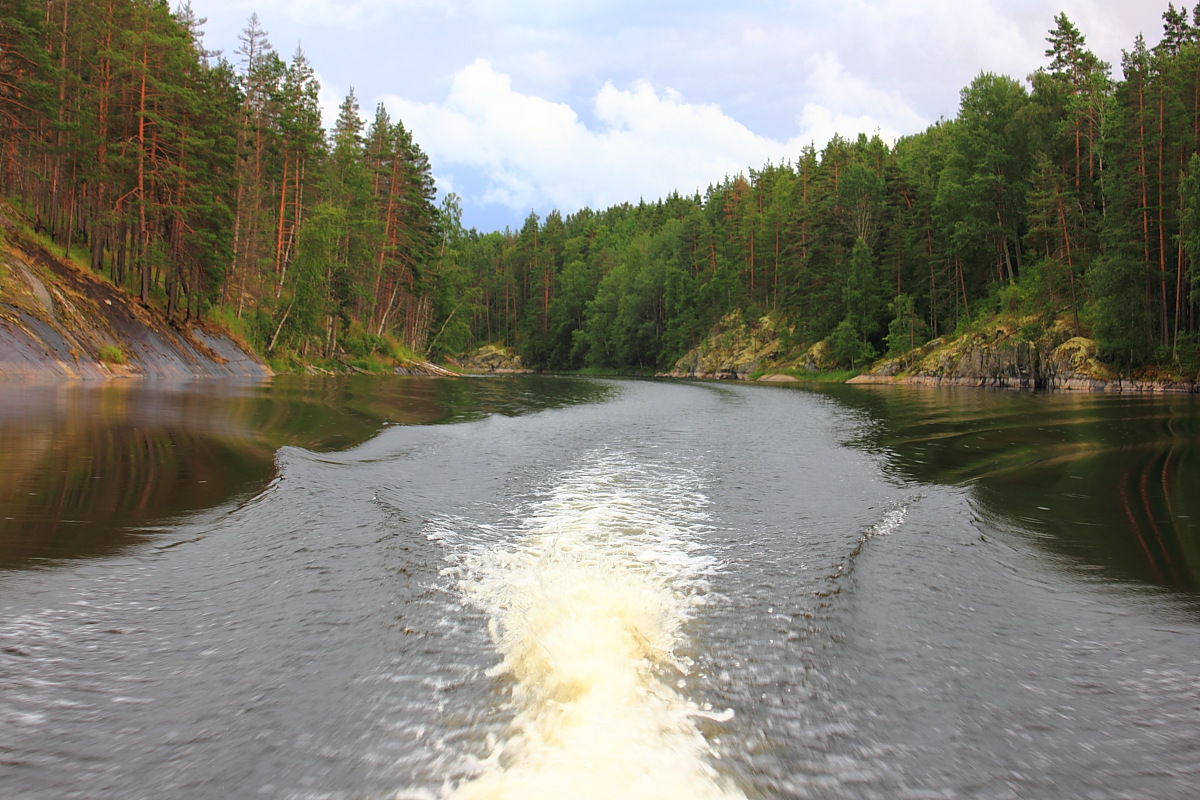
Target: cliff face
x: 58, y: 322
x: 998, y: 359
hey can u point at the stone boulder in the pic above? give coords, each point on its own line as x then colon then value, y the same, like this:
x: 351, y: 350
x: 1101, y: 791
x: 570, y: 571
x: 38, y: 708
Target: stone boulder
x: 732, y: 351
x: 493, y: 358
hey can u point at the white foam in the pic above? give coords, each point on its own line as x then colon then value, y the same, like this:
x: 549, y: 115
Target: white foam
x: 586, y: 605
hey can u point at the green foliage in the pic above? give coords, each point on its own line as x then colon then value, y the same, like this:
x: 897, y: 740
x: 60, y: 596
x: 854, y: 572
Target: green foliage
x: 1187, y: 356
x: 1007, y: 208
x: 111, y: 354
x: 209, y: 187
x: 228, y: 319
x: 981, y: 193
x: 847, y: 347
x: 1044, y: 291
x: 907, y: 330
x: 1119, y: 313
x: 310, y: 277
x: 1011, y: 298
x: 807, y: 376
x: 1189, y: 234
x: 850, y: 344
x: 360, y: 344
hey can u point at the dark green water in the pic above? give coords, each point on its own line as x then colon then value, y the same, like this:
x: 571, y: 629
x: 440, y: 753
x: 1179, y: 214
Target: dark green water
x: 1111, y: 483
x: 86, y: 470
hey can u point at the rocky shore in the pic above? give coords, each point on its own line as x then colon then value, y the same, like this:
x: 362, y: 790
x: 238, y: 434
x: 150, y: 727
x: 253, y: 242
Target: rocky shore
x: 996, y: 357
x: 58, y: 322
x: 493, y: 359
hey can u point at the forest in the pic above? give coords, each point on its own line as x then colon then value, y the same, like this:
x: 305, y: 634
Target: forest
x: 207, y: 185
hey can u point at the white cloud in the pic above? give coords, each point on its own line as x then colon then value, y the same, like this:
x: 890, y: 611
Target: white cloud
x: 846, y: 104
x: 329, y: 98
x: 564, y: 103
x: 538, y: 154
x: 348, y: 14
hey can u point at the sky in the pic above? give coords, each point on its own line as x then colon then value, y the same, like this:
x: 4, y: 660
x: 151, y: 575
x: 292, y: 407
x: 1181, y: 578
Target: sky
x: 532, y: 105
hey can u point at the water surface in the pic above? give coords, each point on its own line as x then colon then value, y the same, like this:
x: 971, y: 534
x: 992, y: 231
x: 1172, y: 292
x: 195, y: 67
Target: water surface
x: 1108, y: 481
x: 310, y: 590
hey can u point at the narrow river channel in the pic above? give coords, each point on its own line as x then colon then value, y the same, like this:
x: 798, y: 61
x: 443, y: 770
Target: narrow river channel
x: 540, y: 587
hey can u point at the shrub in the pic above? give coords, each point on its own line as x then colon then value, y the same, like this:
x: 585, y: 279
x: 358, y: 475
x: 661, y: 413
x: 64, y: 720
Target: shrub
x: 111, y: 354
x: 847, y: 347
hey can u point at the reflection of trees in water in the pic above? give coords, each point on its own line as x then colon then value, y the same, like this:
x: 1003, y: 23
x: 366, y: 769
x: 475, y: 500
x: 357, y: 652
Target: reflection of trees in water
x: 1127, y: 508
x: 1106, y: 480
x: 80, y: 484
x: 1155, y: 496
x: 83, y: 467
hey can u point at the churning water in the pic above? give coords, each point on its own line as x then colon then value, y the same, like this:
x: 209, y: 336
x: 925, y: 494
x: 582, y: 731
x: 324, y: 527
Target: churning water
x: 599, y: 589
x: 586, y: 600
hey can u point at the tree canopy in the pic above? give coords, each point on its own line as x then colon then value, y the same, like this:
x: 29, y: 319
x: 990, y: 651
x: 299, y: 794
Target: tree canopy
x: 208, y: 185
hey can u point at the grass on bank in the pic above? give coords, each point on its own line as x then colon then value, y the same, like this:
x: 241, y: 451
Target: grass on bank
x: 808, y: 376
x: 111, y: 354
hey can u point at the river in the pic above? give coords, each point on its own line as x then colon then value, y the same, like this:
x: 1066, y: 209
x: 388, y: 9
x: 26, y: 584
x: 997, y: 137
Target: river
x: 565, y: 587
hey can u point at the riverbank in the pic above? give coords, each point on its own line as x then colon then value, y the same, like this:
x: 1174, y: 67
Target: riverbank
x: 993, y: 355
x: 61, y: 322
x: 1068, y: 385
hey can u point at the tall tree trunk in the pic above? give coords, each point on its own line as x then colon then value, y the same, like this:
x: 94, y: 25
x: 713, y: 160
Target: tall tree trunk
x: 1162, y: 227
x: 283, y: 191
x: 143, y: 228
x: 1062, y: 216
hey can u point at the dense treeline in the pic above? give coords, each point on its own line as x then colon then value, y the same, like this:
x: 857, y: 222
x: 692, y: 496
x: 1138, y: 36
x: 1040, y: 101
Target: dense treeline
x: 1071, y: 197
x: 209, y: 185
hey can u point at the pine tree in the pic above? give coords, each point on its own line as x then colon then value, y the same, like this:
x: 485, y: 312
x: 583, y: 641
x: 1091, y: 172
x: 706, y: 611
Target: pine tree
x: 25, y: 91
x: 301, y: 143
x: 1053, y: 225
x: 981, y: 194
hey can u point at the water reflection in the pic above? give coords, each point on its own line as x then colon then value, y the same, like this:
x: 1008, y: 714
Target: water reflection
x: 86, y: 470
x: 1108, y: 481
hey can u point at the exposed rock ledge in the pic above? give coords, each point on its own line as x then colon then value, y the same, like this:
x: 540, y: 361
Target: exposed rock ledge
x: 1074, y: 383
x: 493, y: 359
x: 1000, y: 359
x: 732, y: 351
x: 58, y: 322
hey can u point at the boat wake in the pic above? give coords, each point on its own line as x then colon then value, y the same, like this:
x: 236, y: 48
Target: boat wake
x: 587, y: 602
